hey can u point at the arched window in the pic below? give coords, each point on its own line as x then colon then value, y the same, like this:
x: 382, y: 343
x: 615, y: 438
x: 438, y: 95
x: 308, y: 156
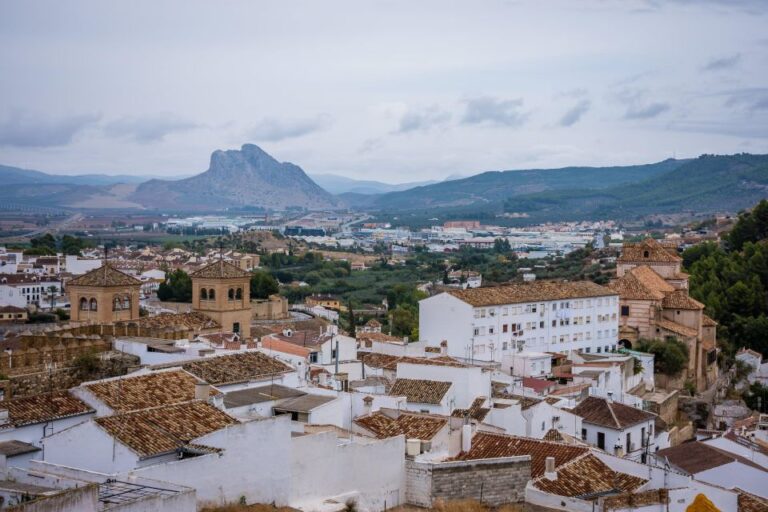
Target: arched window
x: 646, y: 254
x: 127, y: 302
x: 211, y: 294
x: 116, y: 304
x: 83, y: 304
x: 239, y: 294
x: 231, y: 294
x: 94, y: 305
x: 203, y: 294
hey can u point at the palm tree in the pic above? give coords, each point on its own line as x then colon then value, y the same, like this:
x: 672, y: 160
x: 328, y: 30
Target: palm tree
x: 52, y: 293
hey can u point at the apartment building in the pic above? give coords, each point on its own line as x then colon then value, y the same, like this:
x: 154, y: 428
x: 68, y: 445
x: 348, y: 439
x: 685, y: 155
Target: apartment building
x: 495, y: 323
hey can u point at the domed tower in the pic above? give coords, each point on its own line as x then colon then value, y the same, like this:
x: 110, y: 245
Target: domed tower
x: 222, y: 292
x: 104, y: 295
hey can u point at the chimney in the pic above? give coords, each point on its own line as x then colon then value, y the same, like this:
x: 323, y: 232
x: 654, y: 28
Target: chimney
x: 444, y: 348
x: 549, y: 469
x: 367, y: 404
x: 202, y: 391
x: 610, y: 397
x: 466, y: 437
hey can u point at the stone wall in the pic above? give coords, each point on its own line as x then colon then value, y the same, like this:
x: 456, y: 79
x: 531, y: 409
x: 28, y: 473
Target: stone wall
x: 490, y: 481
x: 636, y: 500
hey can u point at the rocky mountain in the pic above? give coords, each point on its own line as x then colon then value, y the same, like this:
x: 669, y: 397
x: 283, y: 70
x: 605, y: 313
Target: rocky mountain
x: 248, y: 177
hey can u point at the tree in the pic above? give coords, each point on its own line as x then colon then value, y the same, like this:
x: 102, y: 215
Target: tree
x: 670, y: 355
x: 751, y: 226
x: 176, y: 288
x: 263, y: 284
x: 352, y: 328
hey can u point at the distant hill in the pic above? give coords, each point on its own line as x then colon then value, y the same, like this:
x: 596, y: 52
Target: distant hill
x: 710, y: 183
x: 495, y: 187
x: 248, y: 177
x: 18, y: 176
x: 336, y: 184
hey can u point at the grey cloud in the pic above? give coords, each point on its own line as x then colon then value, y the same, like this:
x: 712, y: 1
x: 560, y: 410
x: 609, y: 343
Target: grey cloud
x: 417, y: 120
x: 752, y: 99
x: 723, y: 63
x: 273, y: 130
x: 148, y: 129
x: 21, y: 128
x: 648, y: 111
x: 575, y: 114
x: 490, y: 110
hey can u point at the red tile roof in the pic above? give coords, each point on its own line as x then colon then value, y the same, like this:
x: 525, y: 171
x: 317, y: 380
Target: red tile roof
x: 534, y: 291
x: 42, y: 408
x: 600, y: 411
x: 220, y: 269
x: 420, y: 391
x: 411, y: 425
x: 274, y: 343
x: 105, y: 275
x: 648, y: 251
x: 234, y: 368
x: 586, y: 476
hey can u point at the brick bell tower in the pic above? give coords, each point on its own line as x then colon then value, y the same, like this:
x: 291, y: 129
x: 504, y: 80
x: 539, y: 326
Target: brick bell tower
x: 222, y: 292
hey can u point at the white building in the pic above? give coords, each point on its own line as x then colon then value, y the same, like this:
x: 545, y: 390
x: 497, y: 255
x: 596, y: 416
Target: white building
x: 617, y: 428
x: 493, y: 323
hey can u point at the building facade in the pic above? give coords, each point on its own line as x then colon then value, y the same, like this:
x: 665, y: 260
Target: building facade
x: 495, y: 323
x: 104, y: 295
x: 222, y: 291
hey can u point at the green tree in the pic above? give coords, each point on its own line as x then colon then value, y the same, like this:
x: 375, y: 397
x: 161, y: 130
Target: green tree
x: 263, y: 284
x: 670, y: 355
x: 352, y: 328
x: 177, y: 287
x: 750, y: 227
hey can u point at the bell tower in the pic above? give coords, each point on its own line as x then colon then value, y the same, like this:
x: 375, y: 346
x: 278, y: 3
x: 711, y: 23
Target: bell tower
x: 104, y: 295
x: 222, y: 292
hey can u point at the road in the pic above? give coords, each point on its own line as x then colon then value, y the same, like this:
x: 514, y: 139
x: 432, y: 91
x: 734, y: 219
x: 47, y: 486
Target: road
x: 50, y: 228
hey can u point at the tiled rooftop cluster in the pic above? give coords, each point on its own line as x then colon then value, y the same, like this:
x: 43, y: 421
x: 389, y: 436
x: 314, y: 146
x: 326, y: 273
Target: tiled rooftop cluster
x: 420, y: 391
x: 41, y: 408
x: 535, y: 291
x: 233, y: 368
x: 412, y: 426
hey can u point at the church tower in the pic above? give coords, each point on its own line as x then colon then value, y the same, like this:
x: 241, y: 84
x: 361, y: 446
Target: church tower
x: 222, y: 292
x: 104, y: 295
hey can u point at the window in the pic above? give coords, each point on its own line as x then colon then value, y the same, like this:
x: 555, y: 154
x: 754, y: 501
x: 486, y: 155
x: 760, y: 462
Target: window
x: 203, y: 294
x: 94, y: 305
x: 236, y: 327
x: 543, y: 426
x: 333, y: 354
x: 239, y: 294
x: 600, y: 438
x: 583, y: 434
x: 83, y: 304
x: 599, y: 349
x: 541, y: 324
x: 313, y: 357
x: 476, y: 331
x: 587, y: 350
x: 505, y: 311
x: 629, y: 442
x: 643, y: 440
x: 505, y: 328
x: 211, y: 294
x: 554, y: 323
x: 624, y: 310
x: 490, y: 330
x: 231, y: 294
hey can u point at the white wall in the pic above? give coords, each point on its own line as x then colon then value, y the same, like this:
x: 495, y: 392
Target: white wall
x: 255, y: 463
x: 733, y: 447
x: 372, y: 473
x: 468, y: 383
x: 738, y: 475
x: 34, y: 434
x: 615, y: 437
x: 87, y: 446
x: 445, y: 317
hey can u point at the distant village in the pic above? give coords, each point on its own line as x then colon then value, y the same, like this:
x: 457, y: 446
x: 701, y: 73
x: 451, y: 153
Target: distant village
x: 536, y: 392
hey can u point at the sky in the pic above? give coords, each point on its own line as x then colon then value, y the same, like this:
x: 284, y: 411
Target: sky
x: 396, y: 91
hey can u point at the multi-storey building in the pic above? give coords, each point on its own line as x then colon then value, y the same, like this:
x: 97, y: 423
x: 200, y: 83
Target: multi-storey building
x: 495, y: 323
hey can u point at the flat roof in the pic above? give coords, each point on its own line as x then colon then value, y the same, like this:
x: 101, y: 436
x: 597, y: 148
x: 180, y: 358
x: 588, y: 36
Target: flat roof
x: 259, y: 395
x: 304, y: 403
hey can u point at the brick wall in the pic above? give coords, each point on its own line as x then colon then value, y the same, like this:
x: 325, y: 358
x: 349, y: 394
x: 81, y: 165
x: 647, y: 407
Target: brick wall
x: 491, y: 481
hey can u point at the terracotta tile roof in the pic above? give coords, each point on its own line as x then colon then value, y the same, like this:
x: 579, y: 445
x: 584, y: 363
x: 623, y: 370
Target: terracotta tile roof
x: 220, y: 270
x: 538, y: 385
x: 586, y: 476
x: 41, y: 408
x: 751, y: 503
x: 486, y: 445
x: 233, y: 368
x: 707, y: 321
x: 145, y: 391
x: 278, y: 345
x: 681, y: 300
x: 600, y: 411
x: 677, y: 328
x: 12, y: 309
x: 651, y: 279
x: 420, y: 391
x: 105, y: 275
x: 629, y: 287
x: 656, y: 252
x: 534, y: 291
x: 476, y: 411
x: 412, y: 426
x: 389, y: 362
x: 152, y: 432
x: 192, y: 320
x: 695, y: 457
x: 526, y: 402
x: 553, y: 435
x: 377, y: 336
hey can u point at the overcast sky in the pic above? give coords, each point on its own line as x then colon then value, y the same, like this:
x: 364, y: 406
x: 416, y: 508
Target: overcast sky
x: 395, y: 91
